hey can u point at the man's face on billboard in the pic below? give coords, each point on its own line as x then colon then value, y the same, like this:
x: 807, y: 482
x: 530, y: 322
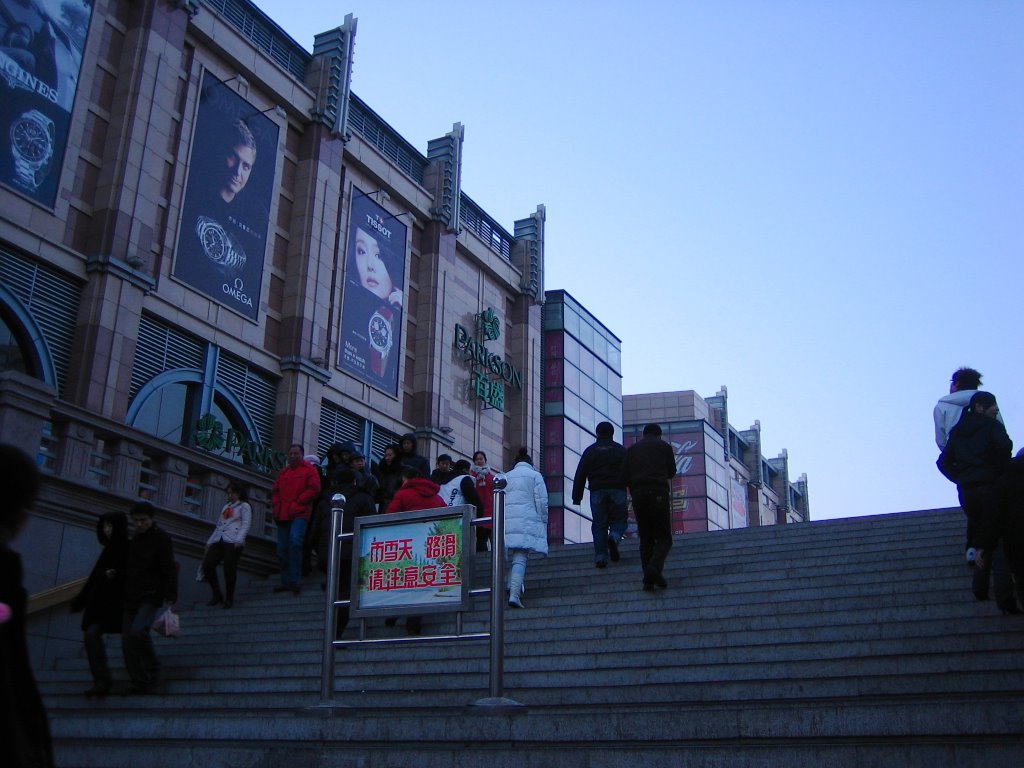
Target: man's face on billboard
x: 239, y: 162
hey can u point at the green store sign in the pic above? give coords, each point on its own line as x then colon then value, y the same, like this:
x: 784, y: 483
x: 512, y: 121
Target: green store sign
x: 491, y: 373
x: 211, y: 435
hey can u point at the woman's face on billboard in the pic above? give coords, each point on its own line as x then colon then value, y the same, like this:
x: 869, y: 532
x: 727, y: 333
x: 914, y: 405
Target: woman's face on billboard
x: 373, y: 274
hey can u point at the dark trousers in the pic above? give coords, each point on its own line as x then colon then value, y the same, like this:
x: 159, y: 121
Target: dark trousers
x: 228, y: 554
x: 654, y: 524
x: 483, y: 535
x: 96, y: 652
x: 979, y: 503
x: 139, y: 655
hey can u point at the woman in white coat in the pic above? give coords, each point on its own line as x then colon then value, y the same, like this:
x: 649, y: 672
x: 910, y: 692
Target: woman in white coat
x: 526, y: 521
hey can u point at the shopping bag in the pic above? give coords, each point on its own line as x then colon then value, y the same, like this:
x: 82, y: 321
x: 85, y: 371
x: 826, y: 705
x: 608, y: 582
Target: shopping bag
x: 167, y: 624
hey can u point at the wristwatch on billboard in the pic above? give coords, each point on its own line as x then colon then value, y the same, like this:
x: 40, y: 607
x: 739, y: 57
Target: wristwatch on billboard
x: 381, y: 339
x: 217, y: 244
x: 32, y: 136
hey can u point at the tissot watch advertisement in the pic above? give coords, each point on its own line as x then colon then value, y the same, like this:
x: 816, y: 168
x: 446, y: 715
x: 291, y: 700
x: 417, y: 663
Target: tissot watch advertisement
x: 222, y: 239
x: 371, y: 314
x: 41, y: 44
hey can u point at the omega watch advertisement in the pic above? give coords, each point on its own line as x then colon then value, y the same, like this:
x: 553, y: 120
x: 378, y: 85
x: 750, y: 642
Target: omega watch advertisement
x: 41, y: 44
x: 222, y: 237
x: 371, y: 313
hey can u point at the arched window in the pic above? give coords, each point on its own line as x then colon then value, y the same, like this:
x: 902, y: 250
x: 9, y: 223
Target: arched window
x: 170, y: 408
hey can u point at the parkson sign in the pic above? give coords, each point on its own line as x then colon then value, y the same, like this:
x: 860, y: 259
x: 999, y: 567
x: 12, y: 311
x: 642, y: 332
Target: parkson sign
x: 484, y: 362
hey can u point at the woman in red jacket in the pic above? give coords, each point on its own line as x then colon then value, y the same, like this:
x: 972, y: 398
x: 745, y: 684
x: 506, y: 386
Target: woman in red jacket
x: 416, y: 492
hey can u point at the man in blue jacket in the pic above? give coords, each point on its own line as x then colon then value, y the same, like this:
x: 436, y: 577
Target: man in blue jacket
x: 602, y: 465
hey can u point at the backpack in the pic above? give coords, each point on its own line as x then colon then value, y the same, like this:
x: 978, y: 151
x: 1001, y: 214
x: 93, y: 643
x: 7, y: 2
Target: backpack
x: 947, y: 462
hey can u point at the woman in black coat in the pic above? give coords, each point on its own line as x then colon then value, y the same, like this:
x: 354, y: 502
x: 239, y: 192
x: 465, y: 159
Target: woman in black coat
x: 102, y: 598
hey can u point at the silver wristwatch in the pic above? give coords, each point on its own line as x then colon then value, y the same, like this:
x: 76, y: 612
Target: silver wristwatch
x: 32, y: 136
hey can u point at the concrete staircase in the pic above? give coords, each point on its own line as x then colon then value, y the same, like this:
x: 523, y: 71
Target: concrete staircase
x: 837, y: 643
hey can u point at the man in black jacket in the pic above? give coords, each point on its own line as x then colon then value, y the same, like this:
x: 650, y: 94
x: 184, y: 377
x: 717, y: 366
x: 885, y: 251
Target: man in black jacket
x: 650, y: 464
x: 151, y: 579
x: 602, y: 465
x: 980, y: 451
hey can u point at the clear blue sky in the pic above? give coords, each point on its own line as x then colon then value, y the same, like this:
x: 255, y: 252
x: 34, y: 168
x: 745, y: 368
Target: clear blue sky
x: 817, y: 204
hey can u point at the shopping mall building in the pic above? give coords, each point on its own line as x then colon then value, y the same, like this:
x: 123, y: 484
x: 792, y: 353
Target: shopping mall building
x: 211, y: 249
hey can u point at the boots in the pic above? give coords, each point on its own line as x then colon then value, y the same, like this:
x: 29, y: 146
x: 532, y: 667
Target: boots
x: 515, y: 586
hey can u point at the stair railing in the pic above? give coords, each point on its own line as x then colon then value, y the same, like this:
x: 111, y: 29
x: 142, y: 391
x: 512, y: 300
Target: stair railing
x: 496, y: 634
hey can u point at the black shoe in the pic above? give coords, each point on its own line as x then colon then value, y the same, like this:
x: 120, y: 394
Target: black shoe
x: 648, y: 586
x: 295, y: 588
x: 283, y: 588
x: 601, y: 564
x: 413, y: 628
x: 215, y: 600
x: 390, y: 621
x: 98, y: 690
x: 660, y: 581
x: 229, y: 603
x: 613, y: 550
x: 1009, y: 607
x: 136, y: 689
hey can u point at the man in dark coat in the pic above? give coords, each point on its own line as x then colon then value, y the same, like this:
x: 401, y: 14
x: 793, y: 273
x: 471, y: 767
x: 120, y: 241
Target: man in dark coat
x: 24, y: 730
x: 602, y: 464
x: 980, y: 450
x: 409, y: 458
x: 358, y: 503
x: 650, y: 464
x: 101, y: 600
x: 151, y: 580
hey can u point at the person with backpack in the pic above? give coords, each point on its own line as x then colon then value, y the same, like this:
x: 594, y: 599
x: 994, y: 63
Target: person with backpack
x: 976, y: 454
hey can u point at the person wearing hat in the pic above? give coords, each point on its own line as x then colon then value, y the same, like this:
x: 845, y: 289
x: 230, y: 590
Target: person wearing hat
x: 409, y: 458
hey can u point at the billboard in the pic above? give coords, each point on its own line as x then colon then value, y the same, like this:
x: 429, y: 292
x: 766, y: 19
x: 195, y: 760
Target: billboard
x: 222, y: 239
x: 41, y: 44
x: 412, y: 562
x: 371, y: 311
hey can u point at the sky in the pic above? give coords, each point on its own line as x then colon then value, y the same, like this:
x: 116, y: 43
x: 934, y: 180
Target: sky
x: 817, y: 205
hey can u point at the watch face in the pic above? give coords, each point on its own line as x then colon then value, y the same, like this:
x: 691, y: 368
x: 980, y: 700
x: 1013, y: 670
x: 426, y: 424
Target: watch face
x: 380, y: 333
x: 31, y: 140
x: 217, y: 244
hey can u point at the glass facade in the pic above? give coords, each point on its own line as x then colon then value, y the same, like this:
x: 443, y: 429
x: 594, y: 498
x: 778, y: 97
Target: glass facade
x: 582, y: 386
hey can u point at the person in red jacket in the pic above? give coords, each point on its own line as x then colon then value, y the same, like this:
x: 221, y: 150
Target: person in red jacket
x: 294, y: 493
x: 416, y: 492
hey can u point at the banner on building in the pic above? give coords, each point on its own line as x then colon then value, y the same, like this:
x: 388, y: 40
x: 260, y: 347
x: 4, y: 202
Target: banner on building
x: 371, y: 312
x: 222, y: 239
x: 41, y: 44
x: 412, y: 562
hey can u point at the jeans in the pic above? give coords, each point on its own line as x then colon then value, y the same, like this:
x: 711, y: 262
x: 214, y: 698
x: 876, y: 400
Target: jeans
x: 608, y: 519
x: 654, y: 524
x: 290, y: 535
x: 229, y: 554
x: 139, y: 656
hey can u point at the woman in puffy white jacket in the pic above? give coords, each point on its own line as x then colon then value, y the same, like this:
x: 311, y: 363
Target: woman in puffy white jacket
x: 526, y: 521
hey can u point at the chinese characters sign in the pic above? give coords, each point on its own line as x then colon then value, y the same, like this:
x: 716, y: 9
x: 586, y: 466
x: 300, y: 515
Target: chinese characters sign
x: 412, y: 560
x: 491, y: 372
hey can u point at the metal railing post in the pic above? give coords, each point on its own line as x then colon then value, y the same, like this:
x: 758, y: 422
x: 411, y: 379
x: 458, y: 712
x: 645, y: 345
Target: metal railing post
x: 330, y: 617
x: 497, y: 593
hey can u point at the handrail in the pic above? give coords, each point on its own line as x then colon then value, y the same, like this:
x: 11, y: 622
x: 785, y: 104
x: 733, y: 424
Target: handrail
x: 497, y: 603
x: 48, y: 598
